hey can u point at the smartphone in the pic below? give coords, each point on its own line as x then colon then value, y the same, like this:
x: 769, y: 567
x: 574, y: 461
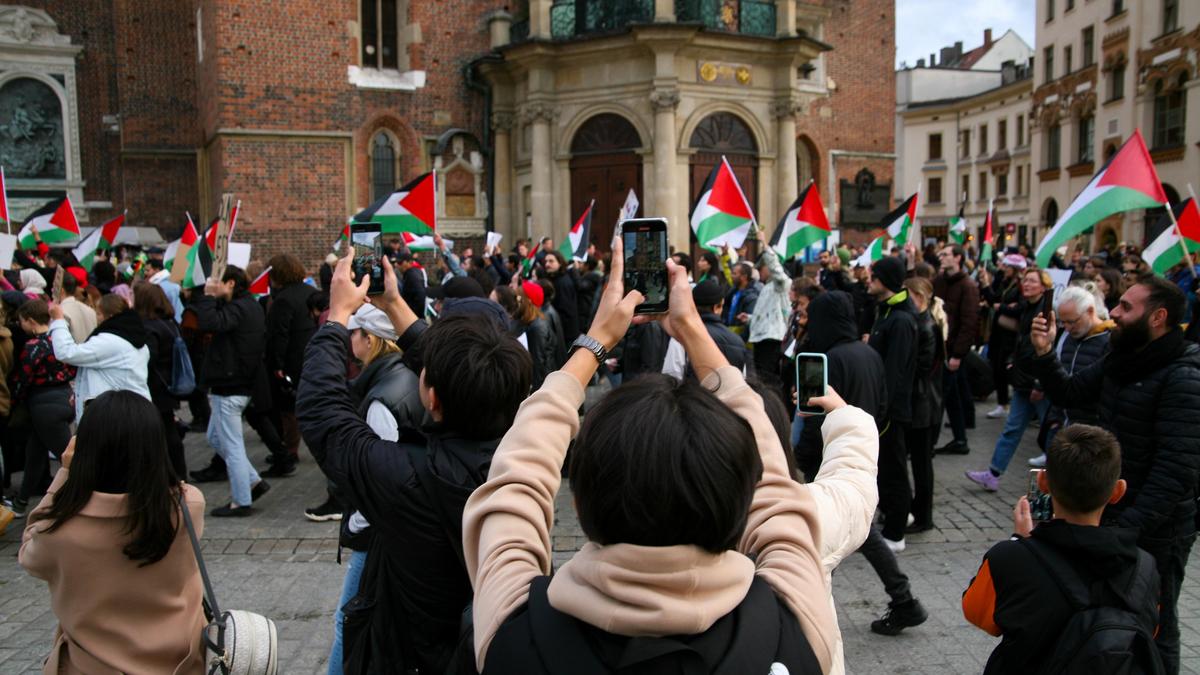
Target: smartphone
x: 1040, y: 506
x: 645, y: 242
x: 1047, y: 305
x: 812, y: 379
x: 367, y: 240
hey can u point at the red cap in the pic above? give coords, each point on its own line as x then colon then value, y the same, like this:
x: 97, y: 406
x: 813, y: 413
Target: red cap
x: 534, y: 293
x: 80, y: 275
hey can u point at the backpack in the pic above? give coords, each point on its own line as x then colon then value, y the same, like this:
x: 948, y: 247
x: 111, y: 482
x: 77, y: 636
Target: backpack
x: 1111, y: 631
x: 183, y: 377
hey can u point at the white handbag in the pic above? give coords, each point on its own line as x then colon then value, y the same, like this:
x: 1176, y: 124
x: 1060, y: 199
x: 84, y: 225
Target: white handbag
x: 236, y: 642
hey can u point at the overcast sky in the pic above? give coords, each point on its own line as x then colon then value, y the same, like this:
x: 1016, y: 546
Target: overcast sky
x: 923, y: 27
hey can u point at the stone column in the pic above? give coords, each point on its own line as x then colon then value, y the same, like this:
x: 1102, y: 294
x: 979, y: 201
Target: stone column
x: 665, y: 100
x: 664, y: 11
x: 502, y: 221
x: 500, y: 28
x: 539, y: 19
x: 540, y: 115
x: 785, y: 171
x: 785, y: 17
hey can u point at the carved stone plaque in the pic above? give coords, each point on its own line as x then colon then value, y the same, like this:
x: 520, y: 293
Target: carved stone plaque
x: 31, y: 130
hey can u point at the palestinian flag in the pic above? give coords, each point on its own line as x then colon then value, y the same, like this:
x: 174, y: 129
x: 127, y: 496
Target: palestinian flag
x: 55, y: 223
x: 422, y: 242
x: 958, y: 227
x: 803, y: 225
x: 873, y: 253
x: 233, y: 216
x: 344, y: 237
x: 200, y: 258
x: 1166, y: 251
x: 5, y: 220
x: 722, y: 214
x: 180, y: 248
x: 630, y: 208
x: 262, y: 284
x: 409, y: 209
x: 529, y: 261
x: 1127, y: 181
x: 101, y: 239
x: 575, y: 246
x: 899, y: 222
x: 985, y: 252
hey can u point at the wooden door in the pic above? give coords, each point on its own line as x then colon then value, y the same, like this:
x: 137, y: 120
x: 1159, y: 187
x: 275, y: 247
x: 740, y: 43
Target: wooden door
x: 745, y: 170
x: 607, y: 178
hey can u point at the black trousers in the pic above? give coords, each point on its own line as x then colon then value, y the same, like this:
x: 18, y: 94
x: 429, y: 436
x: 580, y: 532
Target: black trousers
x: 958, y: 401
x: 919, y: 443
x: 766, y: 357
x: 51, y: 414
x: 1171, y: 556
x: 895, y: 582
x: 895, y: 493
x: 174, y: 443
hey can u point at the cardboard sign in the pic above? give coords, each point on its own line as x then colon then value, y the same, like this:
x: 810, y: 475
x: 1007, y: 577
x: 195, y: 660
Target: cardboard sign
x: 8, y: 247
x: 238, y: 254
x: 221, y: 254
x: 493, y: 239
x: 57, y: 289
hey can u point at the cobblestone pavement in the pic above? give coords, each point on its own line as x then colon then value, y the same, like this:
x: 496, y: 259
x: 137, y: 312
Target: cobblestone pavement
x: 281, y: 565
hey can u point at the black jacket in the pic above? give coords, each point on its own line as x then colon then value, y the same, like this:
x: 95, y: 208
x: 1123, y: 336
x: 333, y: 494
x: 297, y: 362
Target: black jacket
x: 1019, y: 597
x: 587, y: 287
x: 566, y: 302
x: 415, y: 579
x: 855, y: 370
x: 731, y: 346
x: 927, y: 381
x: 1020, y: 374
x: 544, y: 349
x: 1076, y: 356
x: 160, y: 340
x: 746, y: 302
x: 289, y: 328
x: 894, y: 337
x: 412, y: 289
x: 832, y: 280
x: 1152, y: 412
x: 643, y: 350
x: 554, y: 321
x: 234, y: 359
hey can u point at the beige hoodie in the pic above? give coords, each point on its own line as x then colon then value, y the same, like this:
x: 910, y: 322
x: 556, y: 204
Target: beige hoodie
x: 635, y: 590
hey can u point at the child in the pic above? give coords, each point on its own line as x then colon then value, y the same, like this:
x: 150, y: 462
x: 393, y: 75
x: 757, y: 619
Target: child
x: 1032, y: 590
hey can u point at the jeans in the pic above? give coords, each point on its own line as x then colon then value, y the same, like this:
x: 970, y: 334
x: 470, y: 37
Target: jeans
x: 895, y: 493
x: 1020, y: 411
x: 225, y: 436
x: 957, y: 399
x: 884, y: 561
x: 354, y: 570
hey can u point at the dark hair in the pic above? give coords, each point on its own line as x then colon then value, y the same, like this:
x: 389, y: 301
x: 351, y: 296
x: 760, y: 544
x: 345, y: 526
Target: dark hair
x: 325, y: 276
x: 69, y: 284
x: 923, y: 270
x: 151, y: 302
x: 769, y: 388
x: 111, y: 305
x: 507, y: 299
x: 120, y: 448
x: 318, y: 302
x: 286, y: 269
x: 957, y: 251
x: 1116, y: 285
x: 480, y: 375
x: 104, y: 273
x: 1164, y: 295
x: 155, y: 262
x: 747, y: 270
x: 548, y: 291
x: 485, y: 280
x: 241, y: 285
x: 1083, y: 464
x: 35, y: 310
x: 562, y: 260
x: 684, y: 260
x: 660, y: 462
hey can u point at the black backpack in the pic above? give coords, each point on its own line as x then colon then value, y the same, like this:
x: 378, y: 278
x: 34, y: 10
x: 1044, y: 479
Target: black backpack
x: 1112, y: 628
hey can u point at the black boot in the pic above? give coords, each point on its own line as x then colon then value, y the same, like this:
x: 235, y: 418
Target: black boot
x: 953, y: 448
x: 900, y: 616
x: 212, y: 473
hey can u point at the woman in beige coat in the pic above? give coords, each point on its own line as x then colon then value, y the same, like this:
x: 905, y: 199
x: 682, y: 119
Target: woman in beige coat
x: 109, y: 540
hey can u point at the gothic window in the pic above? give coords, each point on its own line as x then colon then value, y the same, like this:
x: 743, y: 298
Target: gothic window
x: 31, y: 130
x: 726, y: 133
x: 381, y: 36
x: 1170, y: 105
x: 384, y: 160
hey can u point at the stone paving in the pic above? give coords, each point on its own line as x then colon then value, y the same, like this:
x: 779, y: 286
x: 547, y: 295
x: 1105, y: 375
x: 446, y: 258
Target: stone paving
x: 281, y: 565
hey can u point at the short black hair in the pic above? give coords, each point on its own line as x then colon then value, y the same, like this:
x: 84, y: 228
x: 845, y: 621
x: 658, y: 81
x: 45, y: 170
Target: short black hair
x: 746, y: 268
x: 480, y: 375
x: 1165, y: 295
x: 661, y: 462
x: 957, y: 251
x: 684, y: 260
x: 1083, y: 464
x: 241, y: 283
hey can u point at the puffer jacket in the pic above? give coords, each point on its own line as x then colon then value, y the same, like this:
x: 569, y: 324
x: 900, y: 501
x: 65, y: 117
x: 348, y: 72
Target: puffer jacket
x: 894, y: 337
x: 1154, y: 419
x: 543, y: 348
x: 1020, y: 374
x: 927, y: 390
x: 1077, y: 355
x: 769, y: 321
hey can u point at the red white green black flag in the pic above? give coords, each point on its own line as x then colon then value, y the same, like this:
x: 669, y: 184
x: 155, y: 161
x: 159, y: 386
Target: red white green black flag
x: 409, y: 209
x: 101, y: 239
x: 1127, y: 181
x: 899, y: 223
x: 5, y: 219
x: 1166, y: 251
x: 803, y: 225
x: 575, y: 246
x: 55, y: 223
x: 262, y: 283
x: 722, y: 214
x: 985, y: 253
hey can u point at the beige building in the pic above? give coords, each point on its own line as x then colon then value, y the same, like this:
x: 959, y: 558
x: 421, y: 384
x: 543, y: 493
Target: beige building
x: 962, y: 137
x: 1104, y: 68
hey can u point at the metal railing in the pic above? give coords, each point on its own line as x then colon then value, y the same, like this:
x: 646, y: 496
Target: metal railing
x: 748, y: 17
x: 574, y: 18
x: 570, y: 19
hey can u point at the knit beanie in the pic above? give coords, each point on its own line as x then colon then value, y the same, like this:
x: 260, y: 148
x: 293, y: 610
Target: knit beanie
x: 889, y: 270
x: 843, y: 254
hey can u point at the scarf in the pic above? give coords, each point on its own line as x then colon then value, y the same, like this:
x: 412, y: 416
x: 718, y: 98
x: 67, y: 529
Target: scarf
x: 127, y: 325
x: 1125, y: 366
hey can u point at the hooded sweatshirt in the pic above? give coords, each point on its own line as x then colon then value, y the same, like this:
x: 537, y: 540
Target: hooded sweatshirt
x: 115, y: 357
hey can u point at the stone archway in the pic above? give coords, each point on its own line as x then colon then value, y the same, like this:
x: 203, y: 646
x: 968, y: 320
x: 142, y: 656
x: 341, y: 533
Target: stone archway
x: 723, y: 134
x: 604, y: 166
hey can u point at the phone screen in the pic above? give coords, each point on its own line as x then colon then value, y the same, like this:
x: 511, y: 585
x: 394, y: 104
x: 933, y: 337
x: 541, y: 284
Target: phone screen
x: 1041, y: 508
x: 367, y: 240
x: 645, y: 241
x: 810, y: 381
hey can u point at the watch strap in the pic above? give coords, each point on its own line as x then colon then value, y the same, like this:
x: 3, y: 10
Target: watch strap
x: 592, y: 345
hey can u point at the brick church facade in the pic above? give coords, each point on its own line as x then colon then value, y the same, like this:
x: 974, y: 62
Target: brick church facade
x: 307, y: 111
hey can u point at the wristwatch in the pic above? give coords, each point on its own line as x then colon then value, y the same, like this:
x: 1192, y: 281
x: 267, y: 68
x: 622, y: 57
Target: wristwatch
x: 592, y: 345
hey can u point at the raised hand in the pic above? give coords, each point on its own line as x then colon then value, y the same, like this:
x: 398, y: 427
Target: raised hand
x: 1042, y: 334
x: 615, y: 312
x: 345, y: 297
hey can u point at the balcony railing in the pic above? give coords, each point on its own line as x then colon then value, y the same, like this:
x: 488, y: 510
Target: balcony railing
x: 570, y: 19
x: 751, y: 17
x: 574, y: 18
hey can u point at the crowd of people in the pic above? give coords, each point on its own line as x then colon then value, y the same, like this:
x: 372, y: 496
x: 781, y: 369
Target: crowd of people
x: 445, y: 412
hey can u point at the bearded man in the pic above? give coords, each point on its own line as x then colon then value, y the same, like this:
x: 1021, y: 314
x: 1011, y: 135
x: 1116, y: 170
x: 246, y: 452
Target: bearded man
x: 1147, y: 393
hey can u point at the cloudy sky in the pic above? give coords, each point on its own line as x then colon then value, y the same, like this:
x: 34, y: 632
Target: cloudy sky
x: 925, y: 26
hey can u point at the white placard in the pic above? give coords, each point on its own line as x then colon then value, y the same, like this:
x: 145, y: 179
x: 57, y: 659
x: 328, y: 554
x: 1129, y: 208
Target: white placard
x: 239, y: 254
x: 8, y: 246
x: 1061, y: 279
x: 493, y: 239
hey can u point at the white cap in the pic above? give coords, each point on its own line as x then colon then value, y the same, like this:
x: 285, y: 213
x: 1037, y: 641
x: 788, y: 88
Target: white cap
x: 372, y: 320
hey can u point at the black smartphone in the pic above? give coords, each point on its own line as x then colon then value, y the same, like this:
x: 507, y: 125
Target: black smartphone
x: 645, y: 242
x: 1041, y: 508
x: 1047, y: 305
x: 367, y: 240
x: 812, y: 379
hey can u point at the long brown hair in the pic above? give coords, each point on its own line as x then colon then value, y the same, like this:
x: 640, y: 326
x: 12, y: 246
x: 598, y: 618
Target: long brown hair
x: 150, y: 302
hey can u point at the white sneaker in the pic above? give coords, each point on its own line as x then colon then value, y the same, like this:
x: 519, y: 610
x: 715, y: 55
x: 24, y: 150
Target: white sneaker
x: 1038, y: 462
x: 911, y: 519
x: 896, y: 546
x: 997, y: 412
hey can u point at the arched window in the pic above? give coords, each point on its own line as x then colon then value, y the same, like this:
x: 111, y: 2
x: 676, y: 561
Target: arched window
x: 725, y: 133
x: 31, y: 130
x: 383, y: 166
x: 1170, y: 109
x: 606, y: 132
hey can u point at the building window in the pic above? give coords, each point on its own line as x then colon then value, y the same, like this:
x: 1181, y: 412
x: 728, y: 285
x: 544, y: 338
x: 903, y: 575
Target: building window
x: 1048, y: 63
x: 964, y: 144
x: 381, y: 34
x: 1020, y: 130
x: 383, y: 166
x: 1067, y: 60
x: 935, y: 190
x: 964, y: 186
x: 983, y: 139
x: 1116, y: 82
x: 1020, y: 180
x: 1070, y: 5
x: 1002, y: 185
x: 983, y: 192
x: 1049, y: 10
x: 1002, y: 135
x: 935, y: 146
x: 1170, y: 105
x: 1053, y: 145
x: 1170, y: 16
x: 1089, y: 46
x: 1086, y: 133
x: 1118, y: 7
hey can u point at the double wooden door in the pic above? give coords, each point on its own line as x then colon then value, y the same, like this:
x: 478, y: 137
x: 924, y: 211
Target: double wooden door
x: 607, y: 178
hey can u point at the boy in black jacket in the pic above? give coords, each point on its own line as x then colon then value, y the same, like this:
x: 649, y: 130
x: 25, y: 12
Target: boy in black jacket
x: 1020, y: 591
